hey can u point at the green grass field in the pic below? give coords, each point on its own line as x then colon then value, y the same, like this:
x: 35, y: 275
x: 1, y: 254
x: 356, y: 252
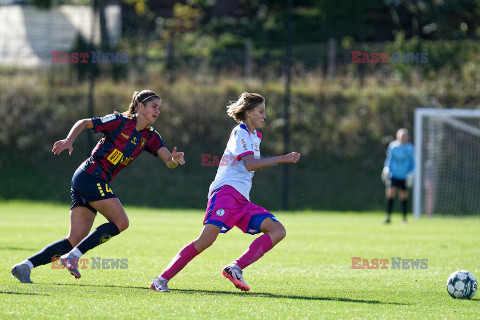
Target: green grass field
x: 307, y: 276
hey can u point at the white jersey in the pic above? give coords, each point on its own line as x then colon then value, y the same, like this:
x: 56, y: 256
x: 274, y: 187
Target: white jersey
x: 231, y: 170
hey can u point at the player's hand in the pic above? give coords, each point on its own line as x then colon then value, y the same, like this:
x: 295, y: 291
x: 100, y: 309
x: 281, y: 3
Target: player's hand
x: 178, y: 156
x: 292, y: 157
x: 385, y: 174
x: 61, y: 145
x: 410, y: 179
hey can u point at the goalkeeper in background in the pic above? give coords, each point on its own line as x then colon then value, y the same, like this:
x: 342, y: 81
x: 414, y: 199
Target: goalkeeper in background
x: 398, y: 172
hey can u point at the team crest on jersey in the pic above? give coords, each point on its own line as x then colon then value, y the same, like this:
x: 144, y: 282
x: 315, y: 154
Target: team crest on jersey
x: 107, y: 118
x: 220, y: 212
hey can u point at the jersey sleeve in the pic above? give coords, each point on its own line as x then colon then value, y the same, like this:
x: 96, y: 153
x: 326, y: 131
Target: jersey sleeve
x: 107, y: 123
x: 242, y: 145
x: 154, y: 143
x: 388, y: 157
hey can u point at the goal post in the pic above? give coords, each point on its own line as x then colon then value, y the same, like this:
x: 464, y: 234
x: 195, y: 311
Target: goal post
x: 447, y: 154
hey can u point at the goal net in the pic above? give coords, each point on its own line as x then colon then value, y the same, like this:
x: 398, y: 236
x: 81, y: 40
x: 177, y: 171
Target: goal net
x: 447, y: 152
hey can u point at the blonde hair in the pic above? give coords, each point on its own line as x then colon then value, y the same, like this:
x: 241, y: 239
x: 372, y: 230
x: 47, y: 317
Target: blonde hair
x: 140, y: 97
x: 246, y: 101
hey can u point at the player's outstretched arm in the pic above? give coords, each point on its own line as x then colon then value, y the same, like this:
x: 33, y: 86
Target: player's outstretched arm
x: 171, y: 159
x: 67, y: 143
x: 253, y: 164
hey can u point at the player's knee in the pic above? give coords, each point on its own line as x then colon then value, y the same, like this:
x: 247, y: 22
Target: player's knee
x: 122, y: 224
x: 282, y: 233
x: 278, y: 233
x: 203, y: 243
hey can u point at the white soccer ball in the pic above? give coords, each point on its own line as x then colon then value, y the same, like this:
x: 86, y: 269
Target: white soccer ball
x: 462, y: 285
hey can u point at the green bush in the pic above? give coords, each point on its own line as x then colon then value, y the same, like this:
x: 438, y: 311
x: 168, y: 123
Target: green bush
x: 341, y: 127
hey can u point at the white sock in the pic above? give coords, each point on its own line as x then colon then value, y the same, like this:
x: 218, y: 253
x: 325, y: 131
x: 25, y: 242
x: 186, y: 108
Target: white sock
x: 77, y: 253
x: 28, y: 263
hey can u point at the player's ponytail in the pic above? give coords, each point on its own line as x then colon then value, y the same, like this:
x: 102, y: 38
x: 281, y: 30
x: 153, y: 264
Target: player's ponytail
x: 246, y: 101
x: 132, y: 108
x: 140, y: 97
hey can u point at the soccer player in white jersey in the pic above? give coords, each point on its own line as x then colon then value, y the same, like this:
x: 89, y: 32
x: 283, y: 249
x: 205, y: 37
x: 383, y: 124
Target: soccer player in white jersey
x: 398, y: 172
x: 229, y: 196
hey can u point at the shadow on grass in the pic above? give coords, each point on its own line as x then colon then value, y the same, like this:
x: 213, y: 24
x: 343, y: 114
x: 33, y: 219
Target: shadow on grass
x: 281, y: 296
x: 18, y: 249
x: 24, y: 293
x: 245, y: 294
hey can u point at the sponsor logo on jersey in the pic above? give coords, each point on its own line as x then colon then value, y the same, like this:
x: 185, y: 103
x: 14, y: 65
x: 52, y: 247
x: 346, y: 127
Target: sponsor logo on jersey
x: 124, y: 135
x: 115, y: 156
x: 107, y: 118
x: 126, y: 160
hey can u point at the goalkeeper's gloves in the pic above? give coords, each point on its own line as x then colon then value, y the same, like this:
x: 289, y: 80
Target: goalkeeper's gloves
x: 386, y: 175
x: 410, y: 179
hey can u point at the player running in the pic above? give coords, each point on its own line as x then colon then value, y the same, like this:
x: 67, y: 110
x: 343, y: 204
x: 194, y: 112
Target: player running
x: 125, y: 136
x: 229, y: 196
x: 398, y: 172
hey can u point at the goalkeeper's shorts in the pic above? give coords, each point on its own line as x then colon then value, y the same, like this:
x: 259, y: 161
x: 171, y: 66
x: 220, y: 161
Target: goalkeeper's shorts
x: 397, y: 183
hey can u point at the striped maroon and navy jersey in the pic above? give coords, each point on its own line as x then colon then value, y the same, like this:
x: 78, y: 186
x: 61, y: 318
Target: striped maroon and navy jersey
x: 120, y: 145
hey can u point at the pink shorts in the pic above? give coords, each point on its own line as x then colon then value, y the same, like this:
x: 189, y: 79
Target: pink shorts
x: 227, y: 208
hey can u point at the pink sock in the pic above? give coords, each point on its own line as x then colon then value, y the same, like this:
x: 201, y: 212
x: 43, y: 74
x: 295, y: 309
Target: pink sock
x: 256, y: 250
x: 180, y: 261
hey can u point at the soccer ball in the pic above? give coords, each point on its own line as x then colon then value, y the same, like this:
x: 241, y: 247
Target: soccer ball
x: 461, y: 285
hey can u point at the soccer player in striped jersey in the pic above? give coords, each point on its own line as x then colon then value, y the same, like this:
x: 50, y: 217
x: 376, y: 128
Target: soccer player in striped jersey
x: 398, y: 172
x: 125, y: 136
x: 229, y: 196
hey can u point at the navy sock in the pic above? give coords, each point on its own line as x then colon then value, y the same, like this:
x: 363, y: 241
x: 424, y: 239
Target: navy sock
x: 404, y: 208
x: 100, y: 235
x: 389, y: 207
x: 55, y: 249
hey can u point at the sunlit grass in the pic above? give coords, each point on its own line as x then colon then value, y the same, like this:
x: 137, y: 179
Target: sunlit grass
x: 307, y: 276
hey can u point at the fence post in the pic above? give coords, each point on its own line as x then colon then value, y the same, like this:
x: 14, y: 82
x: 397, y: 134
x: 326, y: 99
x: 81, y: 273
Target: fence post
x: 332, y: 57
x: 286, y: 128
